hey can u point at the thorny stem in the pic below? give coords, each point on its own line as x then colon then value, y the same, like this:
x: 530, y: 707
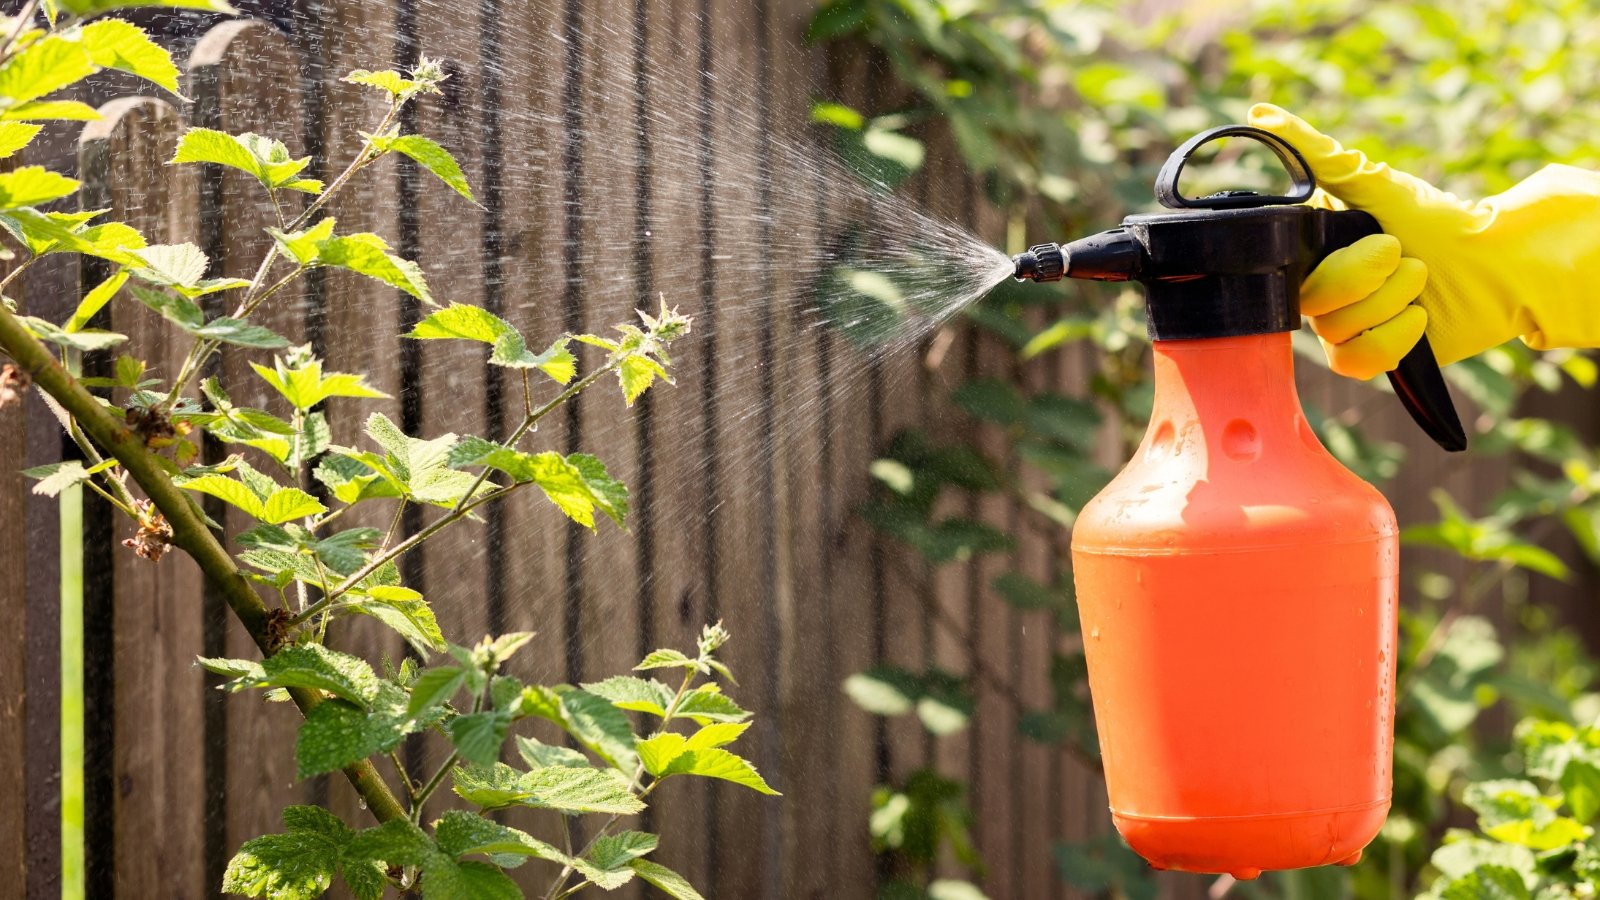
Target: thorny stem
x: 362, y: 160
x: 189, y: 530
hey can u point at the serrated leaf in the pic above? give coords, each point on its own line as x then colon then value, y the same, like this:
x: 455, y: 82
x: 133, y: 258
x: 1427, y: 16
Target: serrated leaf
x: 658, y: 751
x: 706, y: 704
x: 564, y: 788
x: 636, y: 373
x: 34, y: 186
x: 117, y: 44
x: 396, y: 85
x: 478, y: 736
x: 634, y: 694
x: 445, y: 879
x: 51, y: 111
x: 368, y: 254
x: 409, y: 616
x: 717, y: 734
x: 666, y: 659
x: 43, y: 67
x: 720, y: 764
x: 95, y: 300
x: 1487, y: 883
x: 428, y: 154
x: 539, y: 755
x: 91, y: 7
x: 397, y: 842
x: 511, y: 350
x: 231, y: 668
x: 266, y: 159
x: 16, y: 135
x: 463, y: 321
x: 57, y: 477
x: 303, y: 246
x: 598, y: 725
x: 434, y: 688
x: 1580, y: 782
x: 461, y: 833
x: 668, y: 881
x: 336, y: 734
x: 295, y: 866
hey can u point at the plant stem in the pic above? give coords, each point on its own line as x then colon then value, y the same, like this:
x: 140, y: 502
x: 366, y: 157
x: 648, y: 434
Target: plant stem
x: 189, y: 531
x: 361, y: 161
x: 6, y: 282
x: 402, y: 547
x: 422, y: 796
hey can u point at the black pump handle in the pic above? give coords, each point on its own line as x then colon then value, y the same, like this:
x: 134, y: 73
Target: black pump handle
x: 1302, y: 184
x: 1417, y: 381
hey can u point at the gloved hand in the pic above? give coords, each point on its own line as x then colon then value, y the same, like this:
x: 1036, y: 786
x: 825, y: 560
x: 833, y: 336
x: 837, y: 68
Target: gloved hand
x: 1522, y: 263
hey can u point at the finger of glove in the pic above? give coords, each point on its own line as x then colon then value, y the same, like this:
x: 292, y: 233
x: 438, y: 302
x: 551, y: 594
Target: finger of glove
x: 1349, y: 274
x: 1394, y: 295
x: 1347, y: 174
x: 1379, y: 349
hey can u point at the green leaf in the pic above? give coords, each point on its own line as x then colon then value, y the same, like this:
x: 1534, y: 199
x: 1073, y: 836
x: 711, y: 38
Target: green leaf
x: 538, y: 755
x: 658, y: 751
x: 666, y: 659
x: 300, y: 379
x: 368, y: 254
x: 478, y: 736
x: 706, y: 704
x: 318, y: 668
x: 1580, y: 781
x: 117, y: 44
x: 838, y: 115
x: 430, y: 156
x: 300, y: 863
x: 44, y: 67
x: 511, y: 350
x: 304, y: 246
x: 598, y: 725
x: 396, y: 85
x: 461, y: 833
x: 57, y: 477
x: 615, y: 850
x: 397, y: 843
x: 16, y: 135
x: 280, y: 506
x: 86, y: 339
x: 266, y: 159
x: 1487, y: 883
x: 33, y: 186
x: 172, y: 265
x: 717, y: 734
x: 52, y: 110
x: 95, y: 300
x: 564, y: 788
x: 668, y: 881
x: 231, y: 668
x: 464, y: 321
x: 637, y: 372
x: 435, y: 687
x: 445, y: 879
x: 716, y: 763
x: 336, y: 734
x: 634, y: 694
x: 91, y: 7
x: 404, y: 611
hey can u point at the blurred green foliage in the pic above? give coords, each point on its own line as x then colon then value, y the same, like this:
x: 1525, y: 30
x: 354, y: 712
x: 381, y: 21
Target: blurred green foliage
x: 1062, y: 112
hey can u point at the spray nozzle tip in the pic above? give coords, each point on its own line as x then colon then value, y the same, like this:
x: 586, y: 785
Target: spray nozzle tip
x: 1043, y: 262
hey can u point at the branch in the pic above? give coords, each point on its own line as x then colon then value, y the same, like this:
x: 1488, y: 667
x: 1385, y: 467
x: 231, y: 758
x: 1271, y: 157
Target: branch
x: 189, y: 531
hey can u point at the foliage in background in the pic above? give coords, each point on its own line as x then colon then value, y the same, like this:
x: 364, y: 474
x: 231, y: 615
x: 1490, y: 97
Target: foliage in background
x: 1063, y: 111
x: 144, y: 431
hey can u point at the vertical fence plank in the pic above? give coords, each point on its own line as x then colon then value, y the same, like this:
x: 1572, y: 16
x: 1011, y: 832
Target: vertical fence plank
x: 14, y: 658
x: 157, y: 716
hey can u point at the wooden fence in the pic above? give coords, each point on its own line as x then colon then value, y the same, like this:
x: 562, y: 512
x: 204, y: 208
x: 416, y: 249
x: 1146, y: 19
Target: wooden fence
x: 178, y: 775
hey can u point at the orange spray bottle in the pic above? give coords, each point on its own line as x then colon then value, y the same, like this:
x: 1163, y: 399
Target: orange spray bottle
x: 1236, y: 585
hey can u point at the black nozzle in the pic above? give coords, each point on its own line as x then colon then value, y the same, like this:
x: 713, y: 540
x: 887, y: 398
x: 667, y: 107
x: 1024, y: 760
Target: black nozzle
x: 1044, y: 262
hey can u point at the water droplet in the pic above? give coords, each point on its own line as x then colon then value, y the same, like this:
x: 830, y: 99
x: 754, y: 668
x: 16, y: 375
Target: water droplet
x: 361, y: 803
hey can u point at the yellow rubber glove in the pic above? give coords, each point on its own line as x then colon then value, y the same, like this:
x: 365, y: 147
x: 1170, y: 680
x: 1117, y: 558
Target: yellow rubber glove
x: 1520, y: 263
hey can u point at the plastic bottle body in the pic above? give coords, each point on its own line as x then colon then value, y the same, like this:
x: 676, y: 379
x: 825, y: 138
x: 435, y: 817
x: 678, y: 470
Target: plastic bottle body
x: 1237, y: 593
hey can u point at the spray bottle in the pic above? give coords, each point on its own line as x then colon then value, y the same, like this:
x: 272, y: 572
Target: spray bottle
x: 1236, y: 585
